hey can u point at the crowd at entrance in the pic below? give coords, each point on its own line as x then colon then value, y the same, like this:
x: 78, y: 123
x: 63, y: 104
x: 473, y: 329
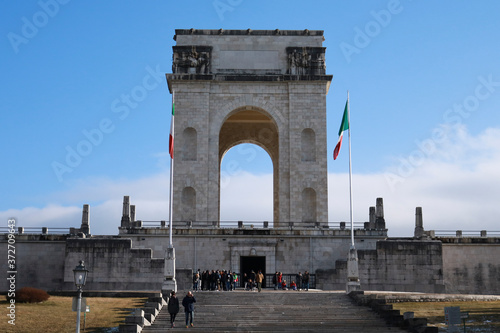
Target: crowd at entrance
x: 223, y: 280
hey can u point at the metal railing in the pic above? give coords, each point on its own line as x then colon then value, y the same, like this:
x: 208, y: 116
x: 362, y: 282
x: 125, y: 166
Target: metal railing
x: 249, y: 224
x: 464, y: 233
x: 38, y: 230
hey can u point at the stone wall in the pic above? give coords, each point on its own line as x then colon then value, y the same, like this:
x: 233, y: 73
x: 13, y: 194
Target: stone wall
x: 113, y: 265
x: 118, y: 264
x: 47, y: 262
x: 39, y: 261
x: 472, y: 268
x: 288, y: 251
x: 395, y: 265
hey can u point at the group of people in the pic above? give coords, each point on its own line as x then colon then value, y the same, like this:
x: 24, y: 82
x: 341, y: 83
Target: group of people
x: 301, y: 284
x: 188, y: 304
x: 225, y: 280
x: 253, y: 281
x: 222, y: 280
x: 215, y: 280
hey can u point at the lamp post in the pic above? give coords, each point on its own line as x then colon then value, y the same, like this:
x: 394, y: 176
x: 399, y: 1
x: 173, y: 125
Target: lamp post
x: 80, y: 273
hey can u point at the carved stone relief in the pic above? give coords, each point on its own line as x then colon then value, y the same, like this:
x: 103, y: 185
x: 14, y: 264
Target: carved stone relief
x: 191, y: 59
x: 306, y: 60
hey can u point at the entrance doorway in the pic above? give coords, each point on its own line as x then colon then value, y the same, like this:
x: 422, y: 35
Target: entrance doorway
x: 253, y: 263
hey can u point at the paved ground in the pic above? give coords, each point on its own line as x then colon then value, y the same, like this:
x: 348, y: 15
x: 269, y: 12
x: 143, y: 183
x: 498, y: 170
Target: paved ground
x: 275, y: 311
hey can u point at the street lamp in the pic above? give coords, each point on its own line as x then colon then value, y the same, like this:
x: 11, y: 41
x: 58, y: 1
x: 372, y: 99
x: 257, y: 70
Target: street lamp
x: 80, y: 273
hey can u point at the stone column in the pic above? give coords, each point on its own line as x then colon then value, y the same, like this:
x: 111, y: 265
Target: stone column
x: 419, y: 224
x: 85, y: 227
x: 132, y: 213
x: 126, y: 212
x: 379, y: 215
x: 371, y: 221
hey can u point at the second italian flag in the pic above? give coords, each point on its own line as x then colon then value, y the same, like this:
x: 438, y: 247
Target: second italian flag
x: 343, y: 127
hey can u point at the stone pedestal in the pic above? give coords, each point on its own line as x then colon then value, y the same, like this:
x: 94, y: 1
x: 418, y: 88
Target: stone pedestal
x: 169, y: 283
x: 352, y: 271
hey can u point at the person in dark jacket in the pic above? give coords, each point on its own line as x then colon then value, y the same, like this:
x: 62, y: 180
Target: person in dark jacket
x: 188, y: 304
x: 173, y: 307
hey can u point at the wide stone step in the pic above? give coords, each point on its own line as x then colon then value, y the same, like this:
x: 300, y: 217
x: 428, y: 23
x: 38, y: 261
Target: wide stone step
x: 271, y: 311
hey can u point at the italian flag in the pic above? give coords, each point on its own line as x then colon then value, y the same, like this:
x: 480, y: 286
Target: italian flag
x: 171, y: 137
x: 343, y: 127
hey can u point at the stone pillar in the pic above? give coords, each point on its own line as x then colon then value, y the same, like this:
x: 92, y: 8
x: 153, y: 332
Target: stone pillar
x: 353, y: 283
x: 419, y: 224
x: 169, y: 283
x: 126, y: 212
x: 371, y: 221
x: 132, y: 213
x: 85, y: 227
x: 379, y: 215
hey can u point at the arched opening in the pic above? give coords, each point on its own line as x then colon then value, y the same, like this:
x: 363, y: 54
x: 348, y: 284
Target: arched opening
x: 246, y: 185
x: 254, y: 134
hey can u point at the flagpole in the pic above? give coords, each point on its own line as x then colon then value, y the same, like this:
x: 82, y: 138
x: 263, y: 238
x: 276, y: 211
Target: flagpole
x: 171, y: 194
x: 350, y: 169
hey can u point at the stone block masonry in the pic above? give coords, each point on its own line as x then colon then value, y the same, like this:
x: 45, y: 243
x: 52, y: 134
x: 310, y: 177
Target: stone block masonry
x: 472, y: 267
x: 265, y: 87
x: 113, y: 264
x: 395, y: 265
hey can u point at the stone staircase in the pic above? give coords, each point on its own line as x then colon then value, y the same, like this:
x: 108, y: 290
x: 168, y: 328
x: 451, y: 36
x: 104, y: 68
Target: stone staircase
x: 272, y: 311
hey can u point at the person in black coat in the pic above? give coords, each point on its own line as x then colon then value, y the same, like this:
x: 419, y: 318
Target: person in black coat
x: 173, y: 307
x: 188, y: 304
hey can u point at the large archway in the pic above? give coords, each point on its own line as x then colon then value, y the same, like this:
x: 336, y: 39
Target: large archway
x: 252, y: 125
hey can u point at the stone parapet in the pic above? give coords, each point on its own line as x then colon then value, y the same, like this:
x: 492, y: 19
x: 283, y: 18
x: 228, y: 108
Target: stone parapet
x: 290, y: 231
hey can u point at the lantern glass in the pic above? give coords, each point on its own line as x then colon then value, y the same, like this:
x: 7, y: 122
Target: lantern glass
x: 80, y: 273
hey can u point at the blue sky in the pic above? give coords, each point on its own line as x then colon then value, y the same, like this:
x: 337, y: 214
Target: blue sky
x: 424, y: 82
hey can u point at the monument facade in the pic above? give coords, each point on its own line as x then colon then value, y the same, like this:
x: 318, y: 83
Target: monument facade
x: 265, y: 87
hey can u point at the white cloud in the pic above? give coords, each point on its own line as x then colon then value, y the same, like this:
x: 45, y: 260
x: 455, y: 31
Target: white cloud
x: 457, y: 186
x: 247, y: 197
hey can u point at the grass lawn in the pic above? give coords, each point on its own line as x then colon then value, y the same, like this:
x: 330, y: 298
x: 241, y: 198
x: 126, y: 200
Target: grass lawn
x: 483, y: 316
x: 55, y: 314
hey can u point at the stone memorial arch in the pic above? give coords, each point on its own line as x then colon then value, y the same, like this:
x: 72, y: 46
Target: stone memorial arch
x: 266, y: 87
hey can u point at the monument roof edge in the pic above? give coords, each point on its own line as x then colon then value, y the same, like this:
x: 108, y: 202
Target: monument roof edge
x: 233, y: 32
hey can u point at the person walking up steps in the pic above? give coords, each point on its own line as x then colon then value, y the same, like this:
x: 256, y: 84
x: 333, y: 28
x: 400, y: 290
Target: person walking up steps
x: 188, y: 304
x: 173, y: 308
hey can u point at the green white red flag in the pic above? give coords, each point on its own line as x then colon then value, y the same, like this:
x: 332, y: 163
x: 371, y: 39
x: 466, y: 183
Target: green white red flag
x: 343, y: 127
x: 171, y: 137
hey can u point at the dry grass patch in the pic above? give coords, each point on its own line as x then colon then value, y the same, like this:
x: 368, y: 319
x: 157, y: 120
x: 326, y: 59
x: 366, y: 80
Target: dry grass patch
x: 56, y: 316
x: 481, y: 314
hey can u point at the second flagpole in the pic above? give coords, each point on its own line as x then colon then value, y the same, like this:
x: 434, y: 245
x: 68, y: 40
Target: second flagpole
x: 350, y: 170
